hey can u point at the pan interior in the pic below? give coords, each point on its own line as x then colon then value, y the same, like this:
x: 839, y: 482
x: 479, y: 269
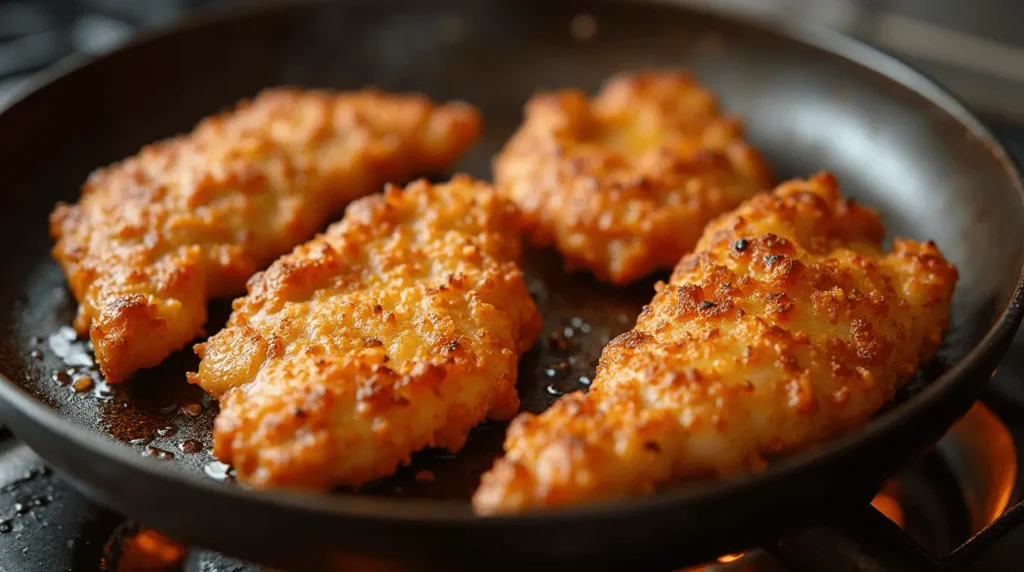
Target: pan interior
x: 891, y: 148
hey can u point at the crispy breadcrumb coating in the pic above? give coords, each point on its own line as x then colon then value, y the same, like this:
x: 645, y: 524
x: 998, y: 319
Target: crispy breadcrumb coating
x: 398, y: 329
x: 788, y: 325
x: 191, y: 218
x: 623, y: 184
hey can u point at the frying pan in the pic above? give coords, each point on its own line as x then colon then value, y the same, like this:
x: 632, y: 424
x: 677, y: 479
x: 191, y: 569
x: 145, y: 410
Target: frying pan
x: 813, y: 100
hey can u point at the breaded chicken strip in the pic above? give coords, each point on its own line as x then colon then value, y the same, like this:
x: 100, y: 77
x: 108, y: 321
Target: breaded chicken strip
x: 623, y: 184
x: 398, y: 329
x: 191, y: 218
x: 788, y: 325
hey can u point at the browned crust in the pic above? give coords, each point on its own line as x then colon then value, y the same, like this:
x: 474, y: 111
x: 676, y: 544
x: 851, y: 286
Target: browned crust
x: 397, y: 329
x: 624, y: 183
x: 190, y: 218
x: 788, y: 325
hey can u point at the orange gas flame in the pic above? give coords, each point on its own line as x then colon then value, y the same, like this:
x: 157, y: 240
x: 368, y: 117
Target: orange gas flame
x: 149, y: 550
x: 887, y: 502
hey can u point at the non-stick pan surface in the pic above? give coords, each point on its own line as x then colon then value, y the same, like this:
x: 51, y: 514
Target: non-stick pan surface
x: 813, y: 101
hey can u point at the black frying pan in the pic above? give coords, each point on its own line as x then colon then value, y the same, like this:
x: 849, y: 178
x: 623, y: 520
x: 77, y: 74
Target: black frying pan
x: 814, y: 101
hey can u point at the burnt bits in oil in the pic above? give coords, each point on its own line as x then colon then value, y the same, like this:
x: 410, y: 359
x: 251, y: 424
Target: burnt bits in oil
x: 160, y: 418
x: 572, y: 356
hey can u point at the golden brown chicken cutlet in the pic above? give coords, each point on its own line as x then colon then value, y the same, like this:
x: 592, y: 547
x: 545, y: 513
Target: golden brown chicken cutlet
x: 623, y: 184
x: 397, y: 329
x: 192, y: 218
x: 787, y: 325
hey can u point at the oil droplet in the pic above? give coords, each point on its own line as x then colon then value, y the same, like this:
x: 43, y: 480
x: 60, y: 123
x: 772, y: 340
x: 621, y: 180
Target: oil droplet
x: 577, y: 322
x: 140, y: 441
x: 568, y: 332
x: 82, y: 383
x: 584, y: 380
x: 5, y: 526
x: 217, y: 470
x: 64, y: 342
x: 583, y: 27
x: 190, y: 446
x: 61, y: 377
x: 551, y: 389
x: 20, y: 508
x: 103, y: 391
x: 166, y: 431
x: 585, y: 328
x: 549, y: 372
x: 152, y: 451
x: 36, y: 354
x: 40, y: 501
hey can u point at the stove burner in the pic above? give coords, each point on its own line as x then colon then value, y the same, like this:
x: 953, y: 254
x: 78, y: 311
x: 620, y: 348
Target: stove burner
x: 937, y: 503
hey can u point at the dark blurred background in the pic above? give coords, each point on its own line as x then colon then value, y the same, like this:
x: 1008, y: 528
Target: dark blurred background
x: 974, y: 47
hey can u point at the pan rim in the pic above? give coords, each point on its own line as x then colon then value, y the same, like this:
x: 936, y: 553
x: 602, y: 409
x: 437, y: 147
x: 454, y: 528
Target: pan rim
x: 421, y: 511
